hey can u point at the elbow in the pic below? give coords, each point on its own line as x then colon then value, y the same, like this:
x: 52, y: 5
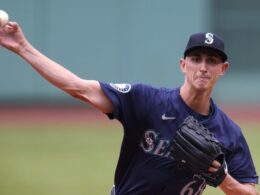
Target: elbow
x: 75, y: 90
x: 78, y: 95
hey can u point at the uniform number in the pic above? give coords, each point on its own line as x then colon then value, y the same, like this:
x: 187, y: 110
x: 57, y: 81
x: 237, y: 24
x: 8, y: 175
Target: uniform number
x: 189, y: 190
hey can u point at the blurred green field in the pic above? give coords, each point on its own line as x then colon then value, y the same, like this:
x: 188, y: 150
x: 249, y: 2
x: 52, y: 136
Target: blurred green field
x: 65, y: 160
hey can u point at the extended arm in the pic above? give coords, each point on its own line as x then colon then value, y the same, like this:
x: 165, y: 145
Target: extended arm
x: 12, y: 38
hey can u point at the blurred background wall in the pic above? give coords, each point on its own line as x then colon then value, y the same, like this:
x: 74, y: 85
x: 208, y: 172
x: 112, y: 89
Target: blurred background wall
x: 130, y: 41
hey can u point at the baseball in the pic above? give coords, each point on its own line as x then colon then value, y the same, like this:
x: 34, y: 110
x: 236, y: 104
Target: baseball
x: 3, y: 18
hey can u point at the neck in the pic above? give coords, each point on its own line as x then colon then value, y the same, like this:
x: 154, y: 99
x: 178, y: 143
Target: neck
x: 198, y: 101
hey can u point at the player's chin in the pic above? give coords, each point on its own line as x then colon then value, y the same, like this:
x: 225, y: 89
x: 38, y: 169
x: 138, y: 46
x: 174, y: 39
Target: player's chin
x: 202, y: 86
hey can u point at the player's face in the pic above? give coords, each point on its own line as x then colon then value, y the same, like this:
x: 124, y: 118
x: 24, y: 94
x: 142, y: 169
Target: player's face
x: 202, y: 68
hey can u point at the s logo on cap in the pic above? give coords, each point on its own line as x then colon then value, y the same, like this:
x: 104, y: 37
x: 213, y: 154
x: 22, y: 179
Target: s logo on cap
x: 209, y: 38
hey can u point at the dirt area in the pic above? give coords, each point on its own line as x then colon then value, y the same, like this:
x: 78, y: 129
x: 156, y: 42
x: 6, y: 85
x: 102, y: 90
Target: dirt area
x: 249, y: 113
x: 51, y: 115
x: 82, y: 115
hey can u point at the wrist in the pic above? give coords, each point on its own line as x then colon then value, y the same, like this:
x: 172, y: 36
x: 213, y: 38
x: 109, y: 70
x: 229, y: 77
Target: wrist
x: 22, y: 48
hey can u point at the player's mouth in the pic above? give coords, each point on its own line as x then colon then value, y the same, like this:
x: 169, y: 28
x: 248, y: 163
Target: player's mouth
x: 203, y: 78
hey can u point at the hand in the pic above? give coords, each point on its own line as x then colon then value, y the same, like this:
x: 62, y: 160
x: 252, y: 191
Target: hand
x: 214, y: 167
x: 195, y: 145
x: 12, y: 37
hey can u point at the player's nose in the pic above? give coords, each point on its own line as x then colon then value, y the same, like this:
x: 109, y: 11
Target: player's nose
x: 203, y: 67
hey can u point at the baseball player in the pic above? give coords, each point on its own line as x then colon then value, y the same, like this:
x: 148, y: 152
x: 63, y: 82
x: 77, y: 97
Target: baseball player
x: 151, y: 117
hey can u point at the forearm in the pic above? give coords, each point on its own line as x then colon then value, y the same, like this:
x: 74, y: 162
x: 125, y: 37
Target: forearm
x: 86, y: 90
x: 12, y: 38
x: 50, y: 70
x: 232, y: 187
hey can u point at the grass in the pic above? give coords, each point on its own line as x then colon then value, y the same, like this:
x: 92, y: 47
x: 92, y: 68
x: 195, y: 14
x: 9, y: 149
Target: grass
x: 57, y: 160
x: 65, y: 160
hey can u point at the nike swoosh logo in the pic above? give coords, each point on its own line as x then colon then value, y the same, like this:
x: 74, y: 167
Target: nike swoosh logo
x: 165, y: 118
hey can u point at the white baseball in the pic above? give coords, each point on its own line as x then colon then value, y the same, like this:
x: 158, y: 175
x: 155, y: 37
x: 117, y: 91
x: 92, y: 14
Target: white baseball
x: 3, y: 18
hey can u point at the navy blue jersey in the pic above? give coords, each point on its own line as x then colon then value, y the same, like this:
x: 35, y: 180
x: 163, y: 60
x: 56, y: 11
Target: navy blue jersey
x: 150, y: 118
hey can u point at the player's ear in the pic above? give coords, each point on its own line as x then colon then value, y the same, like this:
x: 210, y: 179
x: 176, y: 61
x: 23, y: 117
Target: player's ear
x: 183, y: 65
x: 224, y: 68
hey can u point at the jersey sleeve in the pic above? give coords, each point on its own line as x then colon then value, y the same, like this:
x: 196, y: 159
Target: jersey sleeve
x: 130, y: 101
x: 240, y: 162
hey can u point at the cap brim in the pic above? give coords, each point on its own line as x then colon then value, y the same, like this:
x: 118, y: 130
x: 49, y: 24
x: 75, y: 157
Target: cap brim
x: 221, y: 53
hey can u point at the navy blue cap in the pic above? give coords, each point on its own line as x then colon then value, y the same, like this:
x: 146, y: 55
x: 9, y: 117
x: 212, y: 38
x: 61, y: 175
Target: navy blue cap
x: 208, y: 40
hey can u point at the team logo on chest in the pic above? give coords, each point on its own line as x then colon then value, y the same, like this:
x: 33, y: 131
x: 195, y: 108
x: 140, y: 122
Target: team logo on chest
x: 152, y: 143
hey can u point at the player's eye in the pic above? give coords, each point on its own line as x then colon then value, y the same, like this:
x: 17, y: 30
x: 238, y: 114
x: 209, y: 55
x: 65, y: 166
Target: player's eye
x: 213, y: 60
x: 195, y: 59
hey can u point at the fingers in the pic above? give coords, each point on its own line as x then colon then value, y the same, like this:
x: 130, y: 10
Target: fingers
x: 11, y: 27
x: 11, y: 37
x: 212, y: 170
x: 214, y: 166
x: 13, y: 24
